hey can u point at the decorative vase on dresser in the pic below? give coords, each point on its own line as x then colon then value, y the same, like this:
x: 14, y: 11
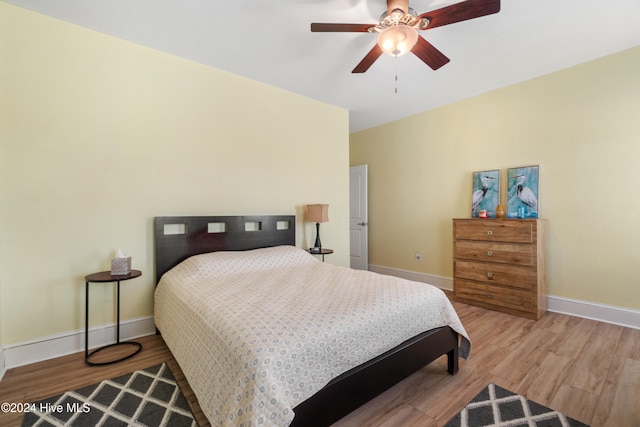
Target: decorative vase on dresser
x: 500, y: 264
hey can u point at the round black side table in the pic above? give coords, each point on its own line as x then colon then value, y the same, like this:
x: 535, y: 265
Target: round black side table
x: 320, y: 251
x: 106, y: 277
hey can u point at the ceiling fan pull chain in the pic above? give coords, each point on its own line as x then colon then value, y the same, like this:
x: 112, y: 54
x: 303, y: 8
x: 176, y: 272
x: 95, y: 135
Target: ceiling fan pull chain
x: 396, y: 78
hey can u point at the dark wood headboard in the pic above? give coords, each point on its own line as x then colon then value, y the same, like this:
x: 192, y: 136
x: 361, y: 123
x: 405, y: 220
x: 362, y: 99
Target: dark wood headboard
x: 179, y: 237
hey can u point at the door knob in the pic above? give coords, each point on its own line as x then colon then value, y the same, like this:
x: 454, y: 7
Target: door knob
x: 362, y: 223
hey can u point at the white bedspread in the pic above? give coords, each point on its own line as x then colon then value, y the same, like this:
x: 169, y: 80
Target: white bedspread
x: 258, y: 332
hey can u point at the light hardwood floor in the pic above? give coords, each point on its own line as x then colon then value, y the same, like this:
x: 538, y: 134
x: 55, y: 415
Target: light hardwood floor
x: 586, y: 369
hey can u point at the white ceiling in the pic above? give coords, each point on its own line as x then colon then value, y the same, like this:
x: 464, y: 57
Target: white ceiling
x: 270, y: 41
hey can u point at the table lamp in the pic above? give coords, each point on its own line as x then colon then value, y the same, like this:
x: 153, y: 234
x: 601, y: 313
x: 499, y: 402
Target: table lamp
x: 317, y: 213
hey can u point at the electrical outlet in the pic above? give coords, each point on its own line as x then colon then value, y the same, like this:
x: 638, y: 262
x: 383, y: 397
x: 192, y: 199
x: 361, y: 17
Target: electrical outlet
x: 418, y: 255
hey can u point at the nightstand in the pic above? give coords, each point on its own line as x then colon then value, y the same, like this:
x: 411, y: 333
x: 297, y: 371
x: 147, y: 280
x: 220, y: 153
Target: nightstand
x: 321, y: 251
x: 106, y: 277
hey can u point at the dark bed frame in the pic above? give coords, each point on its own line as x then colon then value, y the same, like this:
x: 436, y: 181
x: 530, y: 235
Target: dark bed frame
x: 193, y: 235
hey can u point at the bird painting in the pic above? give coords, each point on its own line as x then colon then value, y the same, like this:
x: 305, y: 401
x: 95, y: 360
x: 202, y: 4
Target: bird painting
x: 522, y: 192
x: 485, y: 193
x: 525, y: 194
x: 480, y: 194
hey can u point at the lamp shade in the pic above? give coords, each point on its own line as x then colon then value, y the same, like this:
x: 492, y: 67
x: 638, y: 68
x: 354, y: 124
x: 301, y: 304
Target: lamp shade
x: 398, y: 39
x: 317, y: 213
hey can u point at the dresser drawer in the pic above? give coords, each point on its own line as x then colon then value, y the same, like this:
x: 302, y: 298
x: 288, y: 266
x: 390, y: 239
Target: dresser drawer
x: 511, y: 253
x: 497, y: 274
x: 512, y: 298
x: 494, y: 230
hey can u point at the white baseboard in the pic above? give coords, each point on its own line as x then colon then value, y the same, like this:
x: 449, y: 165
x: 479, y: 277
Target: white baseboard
x: 2, y: 364
x: 49, y: 347
x: 601, y: 312
x: 441, y: 282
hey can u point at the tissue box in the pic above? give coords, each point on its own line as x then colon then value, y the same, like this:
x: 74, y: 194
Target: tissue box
x: 120, y: 266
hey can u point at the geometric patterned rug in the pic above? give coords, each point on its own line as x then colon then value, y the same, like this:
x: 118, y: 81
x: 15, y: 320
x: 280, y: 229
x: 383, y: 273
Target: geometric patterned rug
x: 496, y: 406
x: 149, y: 397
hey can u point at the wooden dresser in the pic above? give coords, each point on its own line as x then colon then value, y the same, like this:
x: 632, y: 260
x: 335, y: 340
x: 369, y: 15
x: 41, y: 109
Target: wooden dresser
x: 500, y: 264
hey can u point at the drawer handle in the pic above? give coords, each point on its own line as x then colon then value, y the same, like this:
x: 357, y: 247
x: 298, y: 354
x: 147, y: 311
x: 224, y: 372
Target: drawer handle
x: 489, y: 253
x: 490, y: 276
x: 490, y: 233
x: 489, y: 296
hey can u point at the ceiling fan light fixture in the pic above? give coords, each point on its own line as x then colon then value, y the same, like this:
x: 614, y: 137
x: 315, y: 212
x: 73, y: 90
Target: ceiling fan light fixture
x: 397, y: 39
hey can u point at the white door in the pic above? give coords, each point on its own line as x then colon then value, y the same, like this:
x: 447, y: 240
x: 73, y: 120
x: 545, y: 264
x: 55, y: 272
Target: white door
x: 358, y: 217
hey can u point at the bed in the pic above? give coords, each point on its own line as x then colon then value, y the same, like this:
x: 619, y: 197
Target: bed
x: 266, y: 334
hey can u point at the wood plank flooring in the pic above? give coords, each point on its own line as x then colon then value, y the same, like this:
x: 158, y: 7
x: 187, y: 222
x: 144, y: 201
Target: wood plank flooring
x: 586, y: 369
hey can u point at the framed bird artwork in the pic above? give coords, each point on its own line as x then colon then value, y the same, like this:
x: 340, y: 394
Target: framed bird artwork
x: 523, y: 192
x: 485, y: 194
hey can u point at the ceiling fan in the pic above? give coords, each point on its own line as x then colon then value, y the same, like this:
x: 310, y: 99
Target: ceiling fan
x: 399, y: 25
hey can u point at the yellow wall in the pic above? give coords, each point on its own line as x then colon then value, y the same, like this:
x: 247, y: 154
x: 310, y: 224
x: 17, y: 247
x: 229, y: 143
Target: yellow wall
x: 581, y: 125
x: 99, y: 135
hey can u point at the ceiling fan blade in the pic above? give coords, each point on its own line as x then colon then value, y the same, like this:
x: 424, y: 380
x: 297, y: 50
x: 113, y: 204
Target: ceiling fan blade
x: 397, y: 4
x: 461, y: 12
x: 429, y: 54
x: 341, y: 28
x: 368, y: 60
